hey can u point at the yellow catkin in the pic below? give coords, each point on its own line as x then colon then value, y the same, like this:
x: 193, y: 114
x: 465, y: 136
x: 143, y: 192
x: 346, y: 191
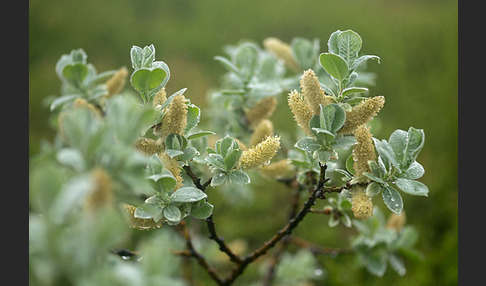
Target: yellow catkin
x: 275, y: 170
x: 260, y: 154
x: 175, y: 119
x: 396, y: 222
x: 363, y: 151
x: 172, y: 165
x: 283, y: 51
x: 262, y: 130
x: 261, y: 110
x: 312, y: 92
x: 361, y: 204
x: 115, y: 84
x: 82, y: 103
x: 148, y: 146
x: 102, y: 193
x: 160, y: 97
x: 302, y: 113
x: 139, y: 223
x: 362, y: 113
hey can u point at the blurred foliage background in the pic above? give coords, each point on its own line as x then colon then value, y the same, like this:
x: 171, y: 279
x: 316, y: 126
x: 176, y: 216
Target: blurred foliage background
x: 417, y: 42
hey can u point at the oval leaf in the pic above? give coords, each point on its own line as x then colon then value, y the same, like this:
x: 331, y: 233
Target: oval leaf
x: 144, y: 79
x: 392, y: 199
x: 187, y: 195
x: 412, y: 187
x: 334, y: 65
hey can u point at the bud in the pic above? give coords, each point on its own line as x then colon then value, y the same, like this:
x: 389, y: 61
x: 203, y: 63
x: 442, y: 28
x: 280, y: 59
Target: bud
x: 148, y: 146
x: 302, y: 113
x: 115, y: 84
x: 175, y: 118
x: 260, y: 154
x: 139, y: 223
x: 361, y: 204
x: 282, y: 51
x: 363, y: 151
x: 262, y: 130
x: 172, y: 165
x: 396, y: 222
x: 102, y: 193
x: 82, y: 103
x: 159, y: 97
x: 279, y: 169
x: 312, y: 92
x: 261, y: 110
x: 362, y: 113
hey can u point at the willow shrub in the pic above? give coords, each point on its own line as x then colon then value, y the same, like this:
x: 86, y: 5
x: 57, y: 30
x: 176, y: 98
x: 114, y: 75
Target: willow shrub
x: 128, y: 160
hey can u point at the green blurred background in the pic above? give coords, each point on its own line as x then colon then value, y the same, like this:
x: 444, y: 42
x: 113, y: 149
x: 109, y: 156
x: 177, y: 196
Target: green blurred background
x: 416, y: 40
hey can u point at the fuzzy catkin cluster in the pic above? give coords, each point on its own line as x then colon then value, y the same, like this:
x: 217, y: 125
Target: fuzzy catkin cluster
x: 159, y: 97
x: 260, y: 154
x: 300, y: 110
x: 283, y: 51
x: 362, y: 113
x: 363, y: 151
x: 261, y: 110
x: 396, y: 222
x: 361, y: 204
x: 175, y: 119
x: 312, y: 92
x: 262, y: 130
x: 172, y: 165
x: 115, y: 84
x: 102, y: 193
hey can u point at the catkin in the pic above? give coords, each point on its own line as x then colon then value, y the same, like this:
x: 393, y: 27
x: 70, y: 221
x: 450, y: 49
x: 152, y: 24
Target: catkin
x: 115, y: 84
x: 148, y: 146
x: 396, y: 222
x: 172, y: 165
x: 362, y: 113
x: 302, y: 113
x: 102, y: 193
x: 261, y: 110
x: 312, y: 92
x: 175, y: 119
x: 283, y: 51
x: 361, y: 204
x: 262, y: 130
x: 260, y: 154
x: 363, y: 151
x: 159, y: 97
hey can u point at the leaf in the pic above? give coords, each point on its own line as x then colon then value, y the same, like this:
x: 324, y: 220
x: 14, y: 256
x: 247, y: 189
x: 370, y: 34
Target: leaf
x: 398, y: 141
x: 353, y: 90
x: 232, y: 159
x: 175, y: 142
x: 173, y: 153
x: 344, y: 142
x: 203, y: 212
x: 392, y: 199
x: 305, y: 52
x: 146, y: 79
x: 59, y: 101
x: 71, y: 157
x: 415, y: 142
x: 361, y: 60
x: 189, y: 153
x: 218, y: 179
x: 376, y: 262
x: 172, y: 213
x: 193, y: 117
x: 187, y: 195
x: 75, y: 74
x: 147, y: 211
x: 308, y: 144
x: 373, y: 189
x: 387, y: 154
x: 199, y: 134
x: 396, y: 262
x: 332, y: 43
x: 339, y: 118
x: 323, y: 135
x: 142, y: 58
x: 239, y: 177
x: 326, y: 116
x: 412, y: 187
x: 415, y: 171
x: 216, y: 161
x: 334, y: 65
x: 322, y: 155
x: 227, y: 64
x: 349, y: 164
x: 349, y: 45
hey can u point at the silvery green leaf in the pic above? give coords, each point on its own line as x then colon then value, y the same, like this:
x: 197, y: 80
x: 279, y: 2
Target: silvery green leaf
x: 232, y: 159
x: 199, y: 134
x: 71, y: 157
x: 323, y: 135
x: 332, y: 43
x: 333, y: 221
x: 359, y: 61
x: 396, y: 262
x: 59, y: 101
x: 239, y: 177
x: 189, y: 153
x: 412, y: 187
x: 415, y: 142
x: 414, y: 171
x: 147, y: 211
x: 373, y: 189
x: 349, y: 45
x: 216, y: 161
x: 305, y: 52
x: 392, y: 199
x: 322, y: 155
x: 398, y: 141
x: 308, y: 144
x: 334, y: 65
x: 353, y: 90
x: 187, y: 195
x: 344, y: 142
x: 203, y: 212
x: 173, y: 153
x: 218, y: 179
x: 172, y: 213
x: 346, y: 220
x: 385, y: 150
x: 193, y: 117
x: 227, y: 64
